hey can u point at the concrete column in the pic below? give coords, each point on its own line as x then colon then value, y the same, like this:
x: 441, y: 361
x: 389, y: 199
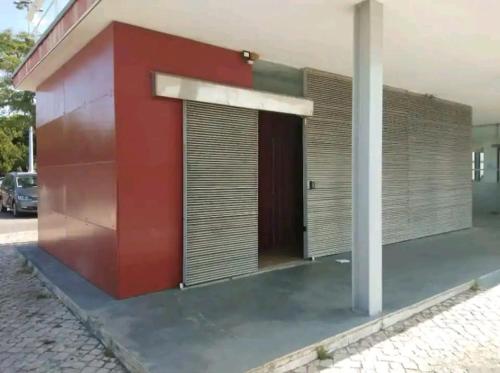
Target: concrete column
x: 367, y: 158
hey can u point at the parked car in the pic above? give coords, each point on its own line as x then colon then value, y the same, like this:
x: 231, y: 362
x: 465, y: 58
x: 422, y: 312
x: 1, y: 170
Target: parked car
x: 19, y: 193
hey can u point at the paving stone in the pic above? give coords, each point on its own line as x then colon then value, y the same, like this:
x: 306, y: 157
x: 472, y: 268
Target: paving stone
x: 110, y: 365
x: 37, y: 332
x: 461, y: 334
x: 96, y: 363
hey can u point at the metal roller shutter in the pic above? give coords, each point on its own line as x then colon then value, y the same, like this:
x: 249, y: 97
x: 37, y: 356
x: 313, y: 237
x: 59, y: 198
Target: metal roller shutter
x: 327, y: 139
x: 395, y: 166
x: 221, y: 190
x: 440, y: 166
x: 426, y: 164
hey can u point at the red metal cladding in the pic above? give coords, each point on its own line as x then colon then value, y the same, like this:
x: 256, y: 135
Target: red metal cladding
x: 76, y: 164
x: 110, y: 156
x: 149, y: 150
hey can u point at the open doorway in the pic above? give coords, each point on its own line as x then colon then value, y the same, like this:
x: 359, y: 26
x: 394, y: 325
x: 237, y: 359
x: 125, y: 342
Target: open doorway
x: 280, y: 189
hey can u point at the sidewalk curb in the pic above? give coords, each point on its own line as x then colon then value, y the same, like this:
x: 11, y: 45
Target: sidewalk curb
x: 289, y: 361
x: 308, y: 354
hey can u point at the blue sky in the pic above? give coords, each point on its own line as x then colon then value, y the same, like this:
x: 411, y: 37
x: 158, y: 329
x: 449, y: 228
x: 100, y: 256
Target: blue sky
x: 12, y: 18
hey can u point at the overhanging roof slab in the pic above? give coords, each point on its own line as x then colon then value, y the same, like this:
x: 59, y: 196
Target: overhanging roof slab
x: 445, y: 48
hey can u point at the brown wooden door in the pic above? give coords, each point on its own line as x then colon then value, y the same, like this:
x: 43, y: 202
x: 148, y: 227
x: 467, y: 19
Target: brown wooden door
x: 280, y: 184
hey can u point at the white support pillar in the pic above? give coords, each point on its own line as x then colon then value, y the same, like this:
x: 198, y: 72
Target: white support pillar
x: 367, y: 158
x: 31, y: 163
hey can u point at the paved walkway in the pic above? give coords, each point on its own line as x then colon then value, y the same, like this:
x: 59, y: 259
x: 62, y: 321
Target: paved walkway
x: 24, y: 223
x: 20, y: 229
x: 459, y: 335
x: 37, y: 332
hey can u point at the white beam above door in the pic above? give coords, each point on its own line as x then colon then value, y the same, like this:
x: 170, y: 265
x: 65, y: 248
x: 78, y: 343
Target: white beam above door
x: 174, y: 86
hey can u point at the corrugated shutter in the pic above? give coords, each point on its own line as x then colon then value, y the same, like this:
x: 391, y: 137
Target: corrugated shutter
x: 426, y: 176
x: 440, y: 166
x: 221, y: 208
x: 327, y: 139
x: 426, y: 164
x: 395, y: 166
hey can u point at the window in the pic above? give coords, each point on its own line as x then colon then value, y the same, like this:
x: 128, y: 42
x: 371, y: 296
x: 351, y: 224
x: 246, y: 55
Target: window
x: 477, y: 166
x: 26, y: 181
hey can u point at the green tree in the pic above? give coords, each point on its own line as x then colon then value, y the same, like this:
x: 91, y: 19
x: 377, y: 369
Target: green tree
x: 17, y: 108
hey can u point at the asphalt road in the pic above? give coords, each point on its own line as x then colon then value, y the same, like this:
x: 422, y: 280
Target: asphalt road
x: 9, y: 224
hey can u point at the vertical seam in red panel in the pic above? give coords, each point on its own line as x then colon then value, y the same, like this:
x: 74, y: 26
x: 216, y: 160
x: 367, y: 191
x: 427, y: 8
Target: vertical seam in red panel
x: 117, y: 167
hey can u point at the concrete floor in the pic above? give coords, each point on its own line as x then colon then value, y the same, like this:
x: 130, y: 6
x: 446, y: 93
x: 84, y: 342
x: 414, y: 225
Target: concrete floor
x: 236, y: 325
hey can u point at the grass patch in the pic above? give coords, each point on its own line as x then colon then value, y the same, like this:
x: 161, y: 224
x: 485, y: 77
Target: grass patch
x: 108, y: 353
x: 323, y: 354
x: 475, y: 287
x: 26, y: 269
x: 42, y: 296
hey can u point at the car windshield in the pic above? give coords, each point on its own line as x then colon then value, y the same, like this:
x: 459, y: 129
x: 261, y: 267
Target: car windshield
x: 27, y: 181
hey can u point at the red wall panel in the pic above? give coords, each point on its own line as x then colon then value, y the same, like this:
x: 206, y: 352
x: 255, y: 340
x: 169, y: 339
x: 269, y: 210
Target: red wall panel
x: 93, y: 121
x: 149, y: 150
x: 110, y: 156
x: 76, y: 164
x: 90, y: 194
x: 50, y: 100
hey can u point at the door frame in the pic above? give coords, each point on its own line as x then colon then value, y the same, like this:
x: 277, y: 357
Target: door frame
x: 305, y: 185
x: 305, y: 190
x: 184, y: 193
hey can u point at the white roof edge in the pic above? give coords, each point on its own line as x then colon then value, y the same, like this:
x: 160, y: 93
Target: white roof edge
x: 28, y: 84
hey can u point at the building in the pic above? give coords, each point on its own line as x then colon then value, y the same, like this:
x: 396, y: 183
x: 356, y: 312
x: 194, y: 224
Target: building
x: 166, y: 158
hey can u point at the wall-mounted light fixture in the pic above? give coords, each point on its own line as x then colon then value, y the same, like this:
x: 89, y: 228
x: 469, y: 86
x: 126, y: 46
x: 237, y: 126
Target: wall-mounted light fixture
x: 249, y: 57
